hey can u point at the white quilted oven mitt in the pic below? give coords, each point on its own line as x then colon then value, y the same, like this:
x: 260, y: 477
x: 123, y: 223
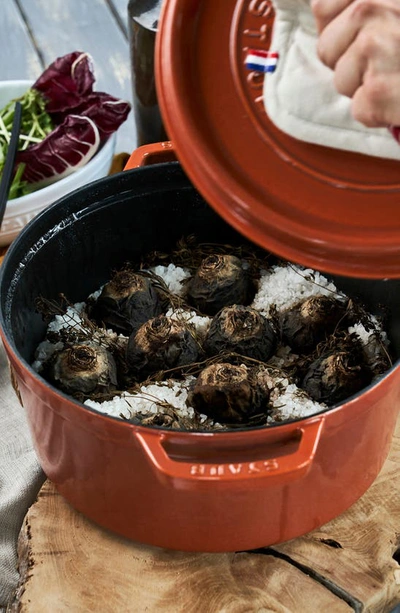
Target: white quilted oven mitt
x: 300, y: 97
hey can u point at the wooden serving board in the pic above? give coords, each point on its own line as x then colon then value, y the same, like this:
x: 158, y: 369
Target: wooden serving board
x: 69, y: 564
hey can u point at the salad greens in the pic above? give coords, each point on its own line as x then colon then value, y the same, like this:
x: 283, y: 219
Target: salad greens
x: 36, y: 124
x: 64, y: 122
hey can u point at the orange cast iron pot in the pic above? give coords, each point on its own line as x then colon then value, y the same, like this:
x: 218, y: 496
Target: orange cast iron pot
x: 192, y: 491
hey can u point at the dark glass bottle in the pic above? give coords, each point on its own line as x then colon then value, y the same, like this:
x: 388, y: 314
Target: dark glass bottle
x: 143, y: 22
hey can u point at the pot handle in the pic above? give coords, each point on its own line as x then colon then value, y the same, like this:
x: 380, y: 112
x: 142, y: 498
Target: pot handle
x: 155, y: 153
x: 263, y: 472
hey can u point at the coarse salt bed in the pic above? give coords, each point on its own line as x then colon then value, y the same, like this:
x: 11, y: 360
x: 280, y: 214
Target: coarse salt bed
x: 284, y: 286
x: 201, y: 323
x: 281, y: 287
x: 70, y: 319
x: 287, y: 400
x: 290, y: 402
x: 283, y: 357
x: 96, y: 294
x: 173, y: 276
x: 145, y: 401
x: 366, y: 335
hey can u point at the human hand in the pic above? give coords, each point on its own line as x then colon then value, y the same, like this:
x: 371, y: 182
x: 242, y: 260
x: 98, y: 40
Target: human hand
x: 360, y: 41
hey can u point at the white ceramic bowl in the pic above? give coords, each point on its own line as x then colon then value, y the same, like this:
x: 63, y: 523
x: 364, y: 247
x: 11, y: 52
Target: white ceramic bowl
x: 20, y: 211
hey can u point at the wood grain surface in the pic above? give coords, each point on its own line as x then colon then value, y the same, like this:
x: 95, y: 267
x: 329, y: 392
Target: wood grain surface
x: 19, y: 57
x: 69, y: 564
x: 35, y: 32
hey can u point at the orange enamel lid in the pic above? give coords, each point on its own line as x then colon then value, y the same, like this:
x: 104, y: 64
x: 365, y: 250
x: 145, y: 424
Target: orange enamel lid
x: 332, y: 210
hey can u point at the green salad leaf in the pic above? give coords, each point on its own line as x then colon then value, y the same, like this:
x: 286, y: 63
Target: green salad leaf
x: 36, y: 124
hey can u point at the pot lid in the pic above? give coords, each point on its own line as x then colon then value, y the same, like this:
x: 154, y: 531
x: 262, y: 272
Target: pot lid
x: 335, y: 211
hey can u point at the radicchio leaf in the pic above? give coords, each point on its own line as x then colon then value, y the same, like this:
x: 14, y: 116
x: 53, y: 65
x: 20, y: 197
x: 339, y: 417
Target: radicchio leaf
x: 67, y: 81
x: 65, y: 149
x: 84, y: 118
x: 107, y: 112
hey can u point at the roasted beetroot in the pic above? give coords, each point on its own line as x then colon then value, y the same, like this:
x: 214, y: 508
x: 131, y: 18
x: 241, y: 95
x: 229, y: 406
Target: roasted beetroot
x: 230, y: 394
x: 161, y: 344
x: 241, y: 330
x: 219, y: 281
x: 310, y: 321
x: 83, y: 370
x: 335, y: 377
x: 126, y: 302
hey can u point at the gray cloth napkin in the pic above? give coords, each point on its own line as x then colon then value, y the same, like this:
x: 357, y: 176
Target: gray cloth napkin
x: 20, y: 479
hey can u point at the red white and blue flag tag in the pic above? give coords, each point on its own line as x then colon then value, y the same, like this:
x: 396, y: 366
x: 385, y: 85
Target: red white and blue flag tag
x: 262, y: 61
